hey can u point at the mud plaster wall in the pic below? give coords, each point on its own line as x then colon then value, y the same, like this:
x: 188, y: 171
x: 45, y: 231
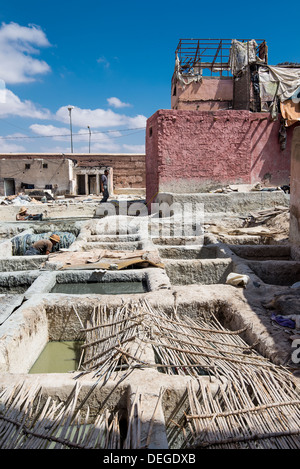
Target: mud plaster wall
x: 128, y: 168
x: 37, y: 171
x: 295, y: 190
x: 210, y: 94
x: 193, y: 151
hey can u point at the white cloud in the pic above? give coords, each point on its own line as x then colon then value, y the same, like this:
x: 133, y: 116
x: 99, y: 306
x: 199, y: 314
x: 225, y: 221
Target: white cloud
x: 102, y: 60
x: 56, y: 149
x: 117, y: 103
x: 14, y: 106
x: 11, y: 148
x: 99, y: 141
x: 8, y: 145
x: 97, y: 118
x: 102, y: 147
x: 138, y: 121
x: 17, y: 44
x: 99, y: 147
x: 134, y: 148
x: 50, y: 131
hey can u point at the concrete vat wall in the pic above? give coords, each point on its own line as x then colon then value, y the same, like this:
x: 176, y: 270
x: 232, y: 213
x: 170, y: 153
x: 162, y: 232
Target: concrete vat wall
x: 193, y: 151
x: 295, y: 190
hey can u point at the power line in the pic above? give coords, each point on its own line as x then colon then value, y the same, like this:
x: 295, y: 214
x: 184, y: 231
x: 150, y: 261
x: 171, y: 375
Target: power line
x: 68, y: 135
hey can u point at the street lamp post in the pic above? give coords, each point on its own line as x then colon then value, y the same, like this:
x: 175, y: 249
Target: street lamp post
x: 90, y: 133
x: 70, y: 111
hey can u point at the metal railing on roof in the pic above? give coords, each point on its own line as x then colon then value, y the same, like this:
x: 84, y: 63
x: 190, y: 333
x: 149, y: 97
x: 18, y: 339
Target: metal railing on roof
x: 195, y: 54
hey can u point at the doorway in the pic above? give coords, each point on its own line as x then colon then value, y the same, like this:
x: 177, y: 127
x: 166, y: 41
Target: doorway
x: 92, y: 184
x: 80, y: 184
x: 9, y: 187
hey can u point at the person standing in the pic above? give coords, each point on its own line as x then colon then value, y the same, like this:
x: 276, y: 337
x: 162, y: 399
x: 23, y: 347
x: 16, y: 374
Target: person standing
x: 104, y: 186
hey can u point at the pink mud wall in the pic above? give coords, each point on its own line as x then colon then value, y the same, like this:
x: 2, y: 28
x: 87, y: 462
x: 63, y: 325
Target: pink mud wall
x: 194, y: 151
x: 295, y: 190
x: 266, y: 156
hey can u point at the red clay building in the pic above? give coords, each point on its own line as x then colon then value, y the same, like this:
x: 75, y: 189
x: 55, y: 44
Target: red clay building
x: 225, y: 125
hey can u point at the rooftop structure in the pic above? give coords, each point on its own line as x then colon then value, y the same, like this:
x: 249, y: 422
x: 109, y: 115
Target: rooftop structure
x: 195, y: 55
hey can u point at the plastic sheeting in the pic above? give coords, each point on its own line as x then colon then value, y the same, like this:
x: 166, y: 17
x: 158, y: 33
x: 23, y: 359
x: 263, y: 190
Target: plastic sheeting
x: 241, y: 55
x: 187, y: 79
x: 290, y: 111
x: 286, y: 79
x: 21, y: 243
x: 281, y: 83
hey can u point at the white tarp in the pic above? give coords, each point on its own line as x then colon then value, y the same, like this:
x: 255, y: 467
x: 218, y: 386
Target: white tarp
x: 283, y: 80
x: 282, y: 83
x: 242, y: 54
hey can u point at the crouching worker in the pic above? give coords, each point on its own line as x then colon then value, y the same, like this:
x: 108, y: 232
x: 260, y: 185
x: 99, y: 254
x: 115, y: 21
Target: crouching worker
x: 23, y: 215
x: 43, y: 247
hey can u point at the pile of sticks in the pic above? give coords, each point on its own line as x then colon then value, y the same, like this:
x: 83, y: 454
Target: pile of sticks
x: 197, y: 347
x: 26, y: 424
x: 257, y: 413
x: 256, y: 404
x: 258, y: 407
x: 109, y: 334
x: 262, y: 216
x: 116, y: 338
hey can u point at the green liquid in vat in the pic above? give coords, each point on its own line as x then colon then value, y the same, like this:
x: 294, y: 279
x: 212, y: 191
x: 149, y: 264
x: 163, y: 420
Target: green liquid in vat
x: 100, y: 288
x: 58, y: 357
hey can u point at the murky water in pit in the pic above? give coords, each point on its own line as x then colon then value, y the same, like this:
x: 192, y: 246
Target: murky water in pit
x: 100, y: 288
x: 58, y: 357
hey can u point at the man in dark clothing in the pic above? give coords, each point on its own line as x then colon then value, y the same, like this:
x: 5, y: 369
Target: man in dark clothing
x: 43, y: 247
x: 104, y: 186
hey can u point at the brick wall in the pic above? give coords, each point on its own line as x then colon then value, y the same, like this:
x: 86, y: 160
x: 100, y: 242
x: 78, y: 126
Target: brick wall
x: 128, y: 169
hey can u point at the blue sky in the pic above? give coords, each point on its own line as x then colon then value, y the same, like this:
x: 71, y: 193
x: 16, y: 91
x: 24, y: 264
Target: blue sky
x: 112, y: 61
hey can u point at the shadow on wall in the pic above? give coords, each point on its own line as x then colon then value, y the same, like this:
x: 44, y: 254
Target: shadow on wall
x: 269, y: 163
